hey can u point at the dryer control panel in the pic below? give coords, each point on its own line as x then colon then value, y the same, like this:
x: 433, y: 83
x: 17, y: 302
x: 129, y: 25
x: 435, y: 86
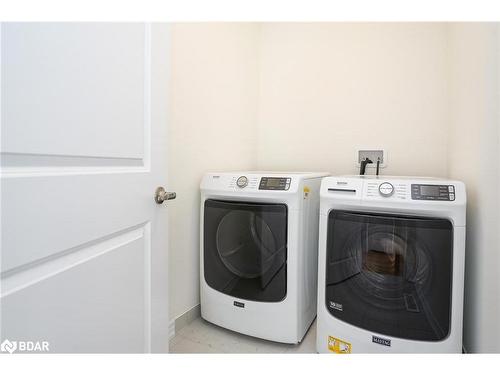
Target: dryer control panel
x: 263, y: 183
x: 275, y: 183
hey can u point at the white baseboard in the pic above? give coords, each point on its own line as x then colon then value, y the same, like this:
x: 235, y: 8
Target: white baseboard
x: 183, y: 320
x: 171, y: 329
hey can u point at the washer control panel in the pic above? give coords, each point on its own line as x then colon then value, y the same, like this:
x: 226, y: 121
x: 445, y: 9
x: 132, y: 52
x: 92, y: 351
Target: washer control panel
x: 242, y: 181
x: 275, y: 183
x: 432, y: 192
x: 386, y: 189
x: 395, y: 190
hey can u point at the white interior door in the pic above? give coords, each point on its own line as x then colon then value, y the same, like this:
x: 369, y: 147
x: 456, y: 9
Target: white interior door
x: 83, y: 148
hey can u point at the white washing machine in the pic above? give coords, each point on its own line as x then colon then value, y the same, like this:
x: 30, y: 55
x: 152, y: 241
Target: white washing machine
x: 258, y: 252
x: 391, y: 265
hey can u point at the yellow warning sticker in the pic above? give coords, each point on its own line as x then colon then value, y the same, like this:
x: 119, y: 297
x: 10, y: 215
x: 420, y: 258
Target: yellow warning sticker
x: 306, y: 191
x: 338, y: 346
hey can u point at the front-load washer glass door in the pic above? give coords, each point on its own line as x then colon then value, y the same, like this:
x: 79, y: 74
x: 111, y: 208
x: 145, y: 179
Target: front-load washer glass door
x: 245, y: 249
x: 390, y: 275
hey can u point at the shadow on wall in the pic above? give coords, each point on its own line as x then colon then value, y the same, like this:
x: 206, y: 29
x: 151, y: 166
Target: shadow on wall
x: 474, y: 157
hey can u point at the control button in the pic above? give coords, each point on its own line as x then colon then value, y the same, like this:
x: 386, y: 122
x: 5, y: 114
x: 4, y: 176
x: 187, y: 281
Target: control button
x: 452, y: 197
x: 242, y: 182
x: 386, y: 189
x: 451, y: 189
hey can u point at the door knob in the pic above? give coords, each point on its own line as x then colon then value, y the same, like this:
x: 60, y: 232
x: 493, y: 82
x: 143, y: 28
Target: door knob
x: 161, y: 195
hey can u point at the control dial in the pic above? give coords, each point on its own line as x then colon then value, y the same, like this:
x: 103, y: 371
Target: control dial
x: 242, y: 182
x: 386, y: 189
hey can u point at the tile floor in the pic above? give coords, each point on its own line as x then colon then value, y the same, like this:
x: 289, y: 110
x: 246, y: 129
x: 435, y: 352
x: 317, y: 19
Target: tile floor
x: 203, y: 337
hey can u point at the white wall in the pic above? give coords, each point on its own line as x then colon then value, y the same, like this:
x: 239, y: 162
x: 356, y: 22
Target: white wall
x: 327, y: 88
x: 473, y: 157
x: 304, y: 96
x: 212, y: 127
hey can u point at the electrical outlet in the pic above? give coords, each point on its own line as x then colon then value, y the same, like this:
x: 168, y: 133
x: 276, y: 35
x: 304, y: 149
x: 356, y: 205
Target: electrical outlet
x: 373, y: 155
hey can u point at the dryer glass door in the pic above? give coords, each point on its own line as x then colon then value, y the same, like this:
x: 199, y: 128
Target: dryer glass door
x: 390, y: 275
x: 245, y: 249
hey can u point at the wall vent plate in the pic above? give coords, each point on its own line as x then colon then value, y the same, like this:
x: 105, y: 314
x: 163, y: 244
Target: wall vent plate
x: 373, y: 154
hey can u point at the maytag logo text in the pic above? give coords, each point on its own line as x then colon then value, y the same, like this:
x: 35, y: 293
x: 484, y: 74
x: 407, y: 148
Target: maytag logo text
x: 381, y: 341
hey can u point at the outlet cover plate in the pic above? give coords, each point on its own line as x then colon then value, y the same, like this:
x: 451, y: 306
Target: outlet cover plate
x: 373, y: 155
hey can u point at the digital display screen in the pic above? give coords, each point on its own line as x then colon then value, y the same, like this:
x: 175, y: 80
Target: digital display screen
x: 429, y: 190
x: 433, y: 192
x: 273, y: 182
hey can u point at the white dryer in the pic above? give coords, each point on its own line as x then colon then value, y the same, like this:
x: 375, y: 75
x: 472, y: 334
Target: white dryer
x: 258, y: 252
x: 391, y: 265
